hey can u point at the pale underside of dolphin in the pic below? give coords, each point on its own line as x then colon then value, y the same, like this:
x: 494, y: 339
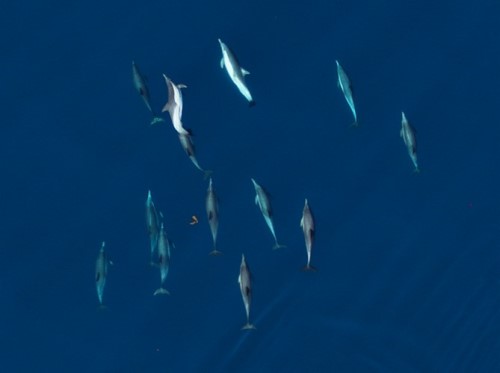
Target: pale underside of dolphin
x: 174, y: 105
x: 344, y: 84
x: 235, y: 72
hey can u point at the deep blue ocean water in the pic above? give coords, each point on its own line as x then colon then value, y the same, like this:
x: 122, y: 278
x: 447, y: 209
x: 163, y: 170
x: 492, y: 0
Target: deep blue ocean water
x: 408, y: 275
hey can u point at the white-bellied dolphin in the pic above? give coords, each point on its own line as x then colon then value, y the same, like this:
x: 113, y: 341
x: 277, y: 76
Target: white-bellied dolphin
x: 235, y: 72
x: 174, y: 105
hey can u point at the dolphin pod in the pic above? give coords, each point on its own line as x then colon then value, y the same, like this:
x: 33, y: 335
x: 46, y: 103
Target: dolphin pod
x: 159, y: 244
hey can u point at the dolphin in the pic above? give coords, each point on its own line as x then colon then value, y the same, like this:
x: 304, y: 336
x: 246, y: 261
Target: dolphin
x: 246, y: 290
x: 307, y: 224
x: 408, y: 134
x: 141, y: 87
x: 174, y: 105
x: 345, y: 86
x: 152, y: 223
x: 235, y: 72
x: 212, y: 208
x: 163, y: 259
x: 188, y: 146
x: 262, y: 200
x: 101, y: 272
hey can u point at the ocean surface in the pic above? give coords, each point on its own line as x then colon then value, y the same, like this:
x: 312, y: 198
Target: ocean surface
x: 408, y: 264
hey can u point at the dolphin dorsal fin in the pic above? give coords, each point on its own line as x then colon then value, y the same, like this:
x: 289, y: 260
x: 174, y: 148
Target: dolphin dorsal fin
x: 181, y: 86
x: 244, y: 72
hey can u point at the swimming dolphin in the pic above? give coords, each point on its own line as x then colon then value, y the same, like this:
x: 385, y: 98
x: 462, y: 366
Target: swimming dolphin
x: 307, y: 224
x: 174, y: 105
x: 246, y: 290
x: 262, y: 200
x: 188, y: 146
x: 101, y: 272
x: 141, y: 87
x: 235, y: 72
x: 212, y: 208
x: 408, y: 134
x: 152, y: 223
x: 345, y: 86
x: 163, y: 259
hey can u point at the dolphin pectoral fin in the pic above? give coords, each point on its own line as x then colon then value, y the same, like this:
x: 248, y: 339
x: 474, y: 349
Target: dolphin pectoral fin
x: 244, y: 72
x: 257, y: 199
x: 222, y: 63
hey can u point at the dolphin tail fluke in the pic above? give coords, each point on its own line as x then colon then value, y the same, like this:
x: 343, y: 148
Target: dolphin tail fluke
x: 416, y: 170
x: 309, y: 268
x: 157, y: 120
x: 102, y: 307
x: 161, y: 291
x: 215, y: 252
x: 354, y: 124
x: 248, y: 326
x: 251, y: 103
x: 278, y: 246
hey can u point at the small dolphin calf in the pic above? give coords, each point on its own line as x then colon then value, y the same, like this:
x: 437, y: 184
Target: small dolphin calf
x: 262, y: 200
x: 174, y: 105
x: 307, y: 224
x: 142, y: 88
x: 244, y: 279
x: 212, y: 208
x: 163, y: 259
x: 235, y: 72
x: 188, y: 146
x: 101, y: 272
x: 408, y: 134
x: 152, y: 223
x: 345, y: 86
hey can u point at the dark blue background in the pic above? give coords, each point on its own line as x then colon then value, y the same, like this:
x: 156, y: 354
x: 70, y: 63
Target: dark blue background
x: 408, y: 265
